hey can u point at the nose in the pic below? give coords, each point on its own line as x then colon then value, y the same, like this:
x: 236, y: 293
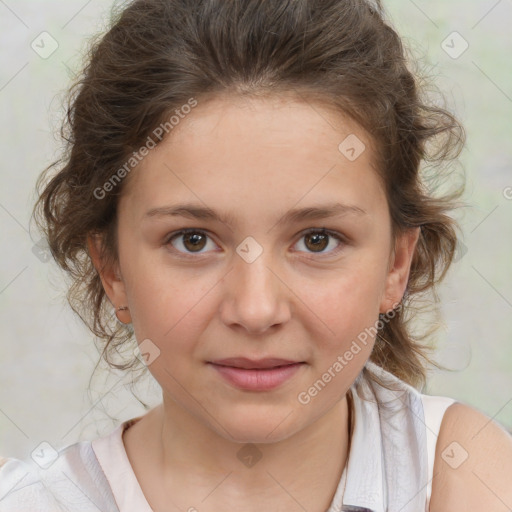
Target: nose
x: 255, y: 297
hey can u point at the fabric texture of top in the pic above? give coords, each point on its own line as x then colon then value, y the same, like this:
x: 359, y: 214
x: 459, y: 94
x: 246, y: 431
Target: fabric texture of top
x: 389, y: 467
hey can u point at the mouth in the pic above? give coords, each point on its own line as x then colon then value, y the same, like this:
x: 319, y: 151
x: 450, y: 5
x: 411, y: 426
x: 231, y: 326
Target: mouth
x: 254, y: 364
x: 256, y: 375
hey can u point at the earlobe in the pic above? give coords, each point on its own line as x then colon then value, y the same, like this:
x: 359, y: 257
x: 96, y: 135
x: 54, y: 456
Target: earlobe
x: 399, y: 269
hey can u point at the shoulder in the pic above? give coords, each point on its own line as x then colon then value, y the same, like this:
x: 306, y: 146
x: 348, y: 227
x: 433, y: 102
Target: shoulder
x: 473, y: 463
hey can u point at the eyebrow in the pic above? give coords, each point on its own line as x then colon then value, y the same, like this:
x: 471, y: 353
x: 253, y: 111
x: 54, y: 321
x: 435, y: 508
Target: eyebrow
x: 193, y: 211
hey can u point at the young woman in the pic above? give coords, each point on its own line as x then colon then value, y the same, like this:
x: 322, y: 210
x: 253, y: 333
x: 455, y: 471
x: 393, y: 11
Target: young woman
x: 243, y: 185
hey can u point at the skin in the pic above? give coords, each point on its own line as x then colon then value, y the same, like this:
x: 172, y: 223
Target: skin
x: 254, y: 160
x: 484, y: 450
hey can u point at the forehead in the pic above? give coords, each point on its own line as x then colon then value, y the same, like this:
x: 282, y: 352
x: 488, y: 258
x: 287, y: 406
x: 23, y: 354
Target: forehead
x: 265, y: 122
x: 251, y: 152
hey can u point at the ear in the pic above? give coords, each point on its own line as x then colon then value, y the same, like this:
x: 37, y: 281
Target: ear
x: 399, y: 268
x: 110, y: 275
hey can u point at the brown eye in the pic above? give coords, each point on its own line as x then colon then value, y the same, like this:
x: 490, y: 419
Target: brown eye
x: 191, y: 241
x: 194, y: 241
x: 317, y: 241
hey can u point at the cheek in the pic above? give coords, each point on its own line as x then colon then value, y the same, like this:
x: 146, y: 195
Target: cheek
x: 161, y: 316
x: 350, y: 309
x: 168, y: 306
x: 348, y: 304
x: 174, y: 322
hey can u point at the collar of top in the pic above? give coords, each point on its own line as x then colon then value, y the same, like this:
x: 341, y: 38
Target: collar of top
x: 387, y: 465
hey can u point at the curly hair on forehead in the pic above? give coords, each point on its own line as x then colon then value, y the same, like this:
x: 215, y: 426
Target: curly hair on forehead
x: 158, y: 54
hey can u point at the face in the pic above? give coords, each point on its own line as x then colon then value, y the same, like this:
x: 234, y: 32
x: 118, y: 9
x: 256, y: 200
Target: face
x: 264, y: 270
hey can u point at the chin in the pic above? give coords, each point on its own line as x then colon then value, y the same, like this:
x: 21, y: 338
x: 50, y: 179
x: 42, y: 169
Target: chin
x: 257, y: 427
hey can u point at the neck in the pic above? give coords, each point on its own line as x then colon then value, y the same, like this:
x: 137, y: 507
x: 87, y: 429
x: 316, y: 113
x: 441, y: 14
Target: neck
x: 177, y: 458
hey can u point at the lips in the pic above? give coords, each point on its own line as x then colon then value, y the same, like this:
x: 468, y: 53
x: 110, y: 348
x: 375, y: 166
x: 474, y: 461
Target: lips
x: 251, y: 364
x: 256, y: 375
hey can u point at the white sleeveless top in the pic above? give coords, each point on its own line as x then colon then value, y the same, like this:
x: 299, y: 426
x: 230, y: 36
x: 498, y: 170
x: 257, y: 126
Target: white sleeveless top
x: 389, y: 467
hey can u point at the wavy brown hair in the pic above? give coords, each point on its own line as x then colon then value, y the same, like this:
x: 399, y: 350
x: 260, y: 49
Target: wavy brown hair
x: 158, y: 54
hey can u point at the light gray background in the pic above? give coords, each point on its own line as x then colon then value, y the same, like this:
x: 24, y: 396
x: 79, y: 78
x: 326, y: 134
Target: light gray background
x: 47, y: 356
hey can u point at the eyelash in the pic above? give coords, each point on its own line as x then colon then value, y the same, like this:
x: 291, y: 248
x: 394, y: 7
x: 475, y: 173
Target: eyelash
x: 321, y: 231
